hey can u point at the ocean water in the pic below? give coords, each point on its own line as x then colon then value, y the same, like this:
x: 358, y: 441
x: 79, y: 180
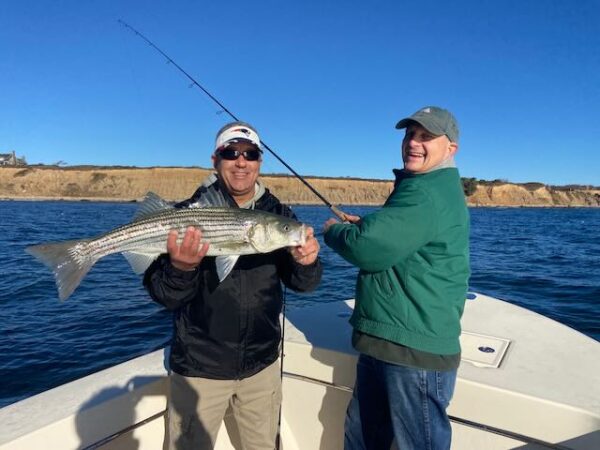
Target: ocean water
x: 547, y: 260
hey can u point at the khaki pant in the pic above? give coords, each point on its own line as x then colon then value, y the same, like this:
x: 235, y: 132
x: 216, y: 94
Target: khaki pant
x: 197, y: 407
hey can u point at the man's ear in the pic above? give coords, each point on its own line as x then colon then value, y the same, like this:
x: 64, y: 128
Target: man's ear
x: 452, y: 148
x: 215, y: 161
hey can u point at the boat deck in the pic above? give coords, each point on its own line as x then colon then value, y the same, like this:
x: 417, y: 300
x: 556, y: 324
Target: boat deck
x: 525, y: 382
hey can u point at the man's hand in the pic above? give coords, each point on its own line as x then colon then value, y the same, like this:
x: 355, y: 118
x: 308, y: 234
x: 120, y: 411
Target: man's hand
x: 307, y: 254
x: 349, y: 219
x: 189, y: 254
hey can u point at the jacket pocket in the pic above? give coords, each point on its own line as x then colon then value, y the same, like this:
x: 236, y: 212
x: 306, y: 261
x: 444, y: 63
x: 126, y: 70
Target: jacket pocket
x: 383, y: 284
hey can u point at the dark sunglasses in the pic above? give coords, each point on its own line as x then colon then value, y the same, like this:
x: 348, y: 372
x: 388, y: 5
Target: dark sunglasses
x: 231, y: 154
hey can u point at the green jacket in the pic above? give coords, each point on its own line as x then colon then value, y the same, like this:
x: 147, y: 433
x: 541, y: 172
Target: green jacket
x: 413, y: 256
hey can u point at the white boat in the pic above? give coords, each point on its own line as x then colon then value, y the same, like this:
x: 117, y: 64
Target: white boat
x: 525, y: 382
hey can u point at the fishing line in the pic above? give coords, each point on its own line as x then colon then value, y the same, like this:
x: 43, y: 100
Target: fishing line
x: 333, y: 208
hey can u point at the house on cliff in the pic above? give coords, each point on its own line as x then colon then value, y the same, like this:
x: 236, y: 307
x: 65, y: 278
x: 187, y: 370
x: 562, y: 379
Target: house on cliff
x: 10, y: 159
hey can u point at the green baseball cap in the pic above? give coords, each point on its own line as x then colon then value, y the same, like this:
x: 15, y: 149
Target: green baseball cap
x: 437, y: 121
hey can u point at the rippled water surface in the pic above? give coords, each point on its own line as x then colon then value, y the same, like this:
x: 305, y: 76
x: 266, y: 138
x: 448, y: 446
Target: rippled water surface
x: 547, y: 260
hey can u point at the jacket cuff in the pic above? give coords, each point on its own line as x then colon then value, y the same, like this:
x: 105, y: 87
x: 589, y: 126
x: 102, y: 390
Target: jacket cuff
x: 178, y: 274
x: 311, y: 271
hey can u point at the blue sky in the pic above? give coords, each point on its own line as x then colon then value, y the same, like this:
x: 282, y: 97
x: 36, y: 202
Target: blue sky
x: 324, y: 82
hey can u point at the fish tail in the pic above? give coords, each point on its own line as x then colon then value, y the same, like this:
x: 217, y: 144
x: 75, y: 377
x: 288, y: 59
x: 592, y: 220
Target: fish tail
x: 69, y: 260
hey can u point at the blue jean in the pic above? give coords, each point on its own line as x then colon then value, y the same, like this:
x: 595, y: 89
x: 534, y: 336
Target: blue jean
x: 391, y: 400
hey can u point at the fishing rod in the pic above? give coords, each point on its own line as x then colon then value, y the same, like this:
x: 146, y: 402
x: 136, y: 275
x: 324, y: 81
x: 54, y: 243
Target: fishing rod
x: 334, y: 209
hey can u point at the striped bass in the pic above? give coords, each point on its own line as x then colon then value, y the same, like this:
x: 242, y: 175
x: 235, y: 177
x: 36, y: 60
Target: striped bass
x: 231, y: 232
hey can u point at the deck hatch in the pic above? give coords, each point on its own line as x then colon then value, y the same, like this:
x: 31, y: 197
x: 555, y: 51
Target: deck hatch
x: 481, y: 350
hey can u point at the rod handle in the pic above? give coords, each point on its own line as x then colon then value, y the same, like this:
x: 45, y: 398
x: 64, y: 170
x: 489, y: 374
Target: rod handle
x: 338, y: 212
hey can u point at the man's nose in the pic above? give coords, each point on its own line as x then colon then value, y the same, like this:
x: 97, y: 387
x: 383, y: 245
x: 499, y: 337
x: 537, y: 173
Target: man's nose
x: 410, y: 143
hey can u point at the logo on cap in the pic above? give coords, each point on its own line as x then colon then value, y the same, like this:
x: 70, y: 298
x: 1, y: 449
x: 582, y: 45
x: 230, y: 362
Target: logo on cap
x: 246, y: 131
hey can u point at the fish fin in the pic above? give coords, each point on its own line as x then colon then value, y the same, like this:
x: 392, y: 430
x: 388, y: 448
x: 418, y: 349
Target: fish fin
x: 210, y: 198
x: 69, y: 260
x: 151, y: 204
x: 225, y: 265
x: 139, y: 261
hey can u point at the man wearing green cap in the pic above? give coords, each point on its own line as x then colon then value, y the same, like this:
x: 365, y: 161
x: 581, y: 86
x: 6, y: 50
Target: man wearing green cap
x: 413, y: 256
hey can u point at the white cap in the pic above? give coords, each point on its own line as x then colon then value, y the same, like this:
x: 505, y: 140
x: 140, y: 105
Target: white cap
x: 235, y: 132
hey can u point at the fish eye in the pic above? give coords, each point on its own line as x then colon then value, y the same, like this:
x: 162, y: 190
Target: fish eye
x: 286, y: 228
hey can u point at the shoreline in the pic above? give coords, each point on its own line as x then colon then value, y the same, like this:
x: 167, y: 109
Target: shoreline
x: 315, y: 204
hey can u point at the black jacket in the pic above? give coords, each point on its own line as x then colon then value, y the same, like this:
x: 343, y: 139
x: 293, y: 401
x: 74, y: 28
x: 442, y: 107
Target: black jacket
x: 229, y: 330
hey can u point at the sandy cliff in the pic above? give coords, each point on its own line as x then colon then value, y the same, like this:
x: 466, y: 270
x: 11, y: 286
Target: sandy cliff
x: 171, y: 183
x: 507, y: 194
x: 126, y: 184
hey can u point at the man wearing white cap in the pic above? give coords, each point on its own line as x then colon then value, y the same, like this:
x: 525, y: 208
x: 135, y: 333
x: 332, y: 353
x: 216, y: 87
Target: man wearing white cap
x: 413, y: 256
x: 225, y: 348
